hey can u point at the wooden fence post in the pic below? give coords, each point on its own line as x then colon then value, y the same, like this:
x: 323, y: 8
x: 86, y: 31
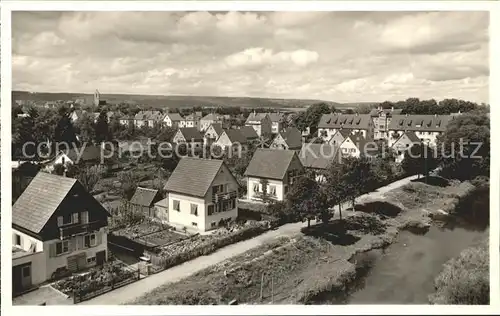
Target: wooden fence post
x: 261, y: 286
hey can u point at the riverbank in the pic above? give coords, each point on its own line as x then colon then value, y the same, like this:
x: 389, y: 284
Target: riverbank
x: 322, y: 263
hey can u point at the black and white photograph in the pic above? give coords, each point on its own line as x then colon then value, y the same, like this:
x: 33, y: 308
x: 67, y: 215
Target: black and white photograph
x: 248, y: 157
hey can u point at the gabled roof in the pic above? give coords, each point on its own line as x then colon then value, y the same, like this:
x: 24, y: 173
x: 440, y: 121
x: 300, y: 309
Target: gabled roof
x: 41, y: 199
x: 256, y: 117
x: 421, y: 123
x: 349, y: 121
x: 84, y: 154
x: 270, y: 163
x: 276, y: 117
x: 377, y: 112
x: 249, y: 132
x: 144, y: 197
x: 149, y: 115
x: 217, y: 128
x: 212, y: 117
x: 292, y: 137
x: 344, y: 132
x: 412, y: 137
x: 193, y: 176
x: 235, y: 136
x: 175, y: 117
x: 190, y: 133
x: 193, y: 116
x: 318, y: 156
x: 361, y: 143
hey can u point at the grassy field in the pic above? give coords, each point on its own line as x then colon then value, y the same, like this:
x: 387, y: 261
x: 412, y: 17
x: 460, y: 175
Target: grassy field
x: 161, y: 101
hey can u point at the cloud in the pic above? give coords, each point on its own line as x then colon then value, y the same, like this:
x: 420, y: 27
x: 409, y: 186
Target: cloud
x: 338, y: 56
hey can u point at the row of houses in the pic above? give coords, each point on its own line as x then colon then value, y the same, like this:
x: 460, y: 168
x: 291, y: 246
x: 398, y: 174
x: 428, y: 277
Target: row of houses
x: 384, y: 124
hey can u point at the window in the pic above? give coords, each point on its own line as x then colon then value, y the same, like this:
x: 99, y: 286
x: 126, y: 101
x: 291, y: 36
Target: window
x: 62, y: 247
x: 272, y: 189
x: 90, y: 259
x: 26, y: 271
x: 177, y: 206
x: 85, y: 217
x: 194, y: 224
x: 217, y: 189
x: 90, y: 240
x: 210, y: 210
x: 194, y: 209
x: 18, y: 240
x: 256, y: 187
x: 212, y: 224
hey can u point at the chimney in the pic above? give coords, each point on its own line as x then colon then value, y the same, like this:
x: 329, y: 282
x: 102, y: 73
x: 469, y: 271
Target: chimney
x: 435, y: 115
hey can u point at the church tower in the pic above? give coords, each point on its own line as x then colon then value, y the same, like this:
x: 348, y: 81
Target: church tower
x: 97, y: 96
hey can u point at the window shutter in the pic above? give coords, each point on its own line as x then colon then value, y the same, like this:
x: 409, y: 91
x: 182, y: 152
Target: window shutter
x: 52, y: 250
x: 79, y: 242
x: 75, y: 218
x: 59, y: 221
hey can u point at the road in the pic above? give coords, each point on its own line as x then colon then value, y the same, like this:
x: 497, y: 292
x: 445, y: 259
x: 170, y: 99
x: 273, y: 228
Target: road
x: 134, y: 290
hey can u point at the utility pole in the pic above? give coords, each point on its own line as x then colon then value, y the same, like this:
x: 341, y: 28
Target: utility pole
x: 262, y: 287
x: 272, y: 290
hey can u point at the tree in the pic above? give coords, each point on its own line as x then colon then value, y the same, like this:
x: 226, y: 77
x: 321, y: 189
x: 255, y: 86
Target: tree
x: 333, y: 188
x: 64, y: 133
x: 465, y: 147
x: 128, y: 184
x: 311, y: 117
x: 86, y: 128
x: 102, y: 133
x: 357, y: 177
x: 419, y: 159
x: 307, y: 200
x: 89, y: 176
x: 465, y: 280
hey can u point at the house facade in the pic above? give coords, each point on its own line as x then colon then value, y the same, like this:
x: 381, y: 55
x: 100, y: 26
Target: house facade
x: 271, y: 172
x: 210, y: 119
x: 148, y: 119
x: 213, y: 133
x: 192, y: 120
x: 56, y: 226
x: 232, y: 140
x: 172, y: 120
x: 426, y: 127
x: 202, y: 194
x: 189, y: 136
x: 316, y: 158
x: 277, y: 122
x: 357, y: 146
x: 288, y: 138
x: 381, y: 121
x: 329, y: 124
x: 144, y: 200
x: 260, y: 122
x: 404, y: 143
x: 339, y: 137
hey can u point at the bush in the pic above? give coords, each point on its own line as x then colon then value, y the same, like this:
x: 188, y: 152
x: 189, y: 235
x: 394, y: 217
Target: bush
x: 464, y: 280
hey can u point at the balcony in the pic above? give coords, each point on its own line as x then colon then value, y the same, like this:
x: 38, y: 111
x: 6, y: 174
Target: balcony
x: 218, y: 197
x: 80, y: 229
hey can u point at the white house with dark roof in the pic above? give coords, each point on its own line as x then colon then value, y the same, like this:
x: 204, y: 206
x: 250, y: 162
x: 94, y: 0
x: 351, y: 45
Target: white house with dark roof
x: 277, y: 120
x: 404, y: 143
x: 189, y: 136
x: 210, y: 119
x: 212, y: 133
x: 260, y: 122
x: 329, y: 124
x: 271, y: 172
x: 381, y: 120
x: 148, y: 118
x: 172, y: 120
x: 316, y: 158
x: 56, y: 226
x: 202, y: 194
x: 339, y: 137
x: 355, y: 145
x: 289, y: 138
x: 232, y: 139
x: 426, y: 127
x: 192, y: 120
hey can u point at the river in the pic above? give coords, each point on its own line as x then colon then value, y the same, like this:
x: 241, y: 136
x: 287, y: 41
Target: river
x: 404, y: 272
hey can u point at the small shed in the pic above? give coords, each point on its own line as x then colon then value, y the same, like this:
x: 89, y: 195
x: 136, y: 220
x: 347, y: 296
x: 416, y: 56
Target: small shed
x: 144, y: 199
x: 162, y: 210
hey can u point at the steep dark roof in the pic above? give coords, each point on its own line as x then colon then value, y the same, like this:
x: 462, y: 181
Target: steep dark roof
x: 412, y: 137
x: 236, y: 136
x: 344, y: 132
x: 193, y: 176
x: 352, y: 121
x: 175, y: 117
x: 421, y: 123
x: 361, y: 144
x: 270, y: 163
x: 87, y: 153
x: 217, y: 128
x: 249, y: 132
x: 144, y: 197
x: 255, y: 117
x: 292, y: 137
x: 318, y: 156
x: 40, y: 200
x: 276, y: 117
x: 190, y: 133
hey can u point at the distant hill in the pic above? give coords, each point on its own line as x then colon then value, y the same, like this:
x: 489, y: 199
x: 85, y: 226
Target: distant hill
x: 177, y: 101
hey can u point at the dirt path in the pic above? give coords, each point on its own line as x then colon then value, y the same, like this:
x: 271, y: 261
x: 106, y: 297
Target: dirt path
x: 132, y: 291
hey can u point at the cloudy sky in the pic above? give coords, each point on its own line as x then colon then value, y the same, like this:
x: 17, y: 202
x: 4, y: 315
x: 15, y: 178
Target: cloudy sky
x: 336, y: 56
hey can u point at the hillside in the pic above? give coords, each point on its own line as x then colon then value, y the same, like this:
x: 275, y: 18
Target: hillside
x: 178, y: 101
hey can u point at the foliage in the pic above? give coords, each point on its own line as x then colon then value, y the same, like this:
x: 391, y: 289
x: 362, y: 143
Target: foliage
x: 311, y: 117
x: 446, y: 106
x: 464, y: 280
x: 128, y: 184
x: 419, y: 159
x: 102, y: 132
x: 307, y: 199
x: 123, y: 216
x: 357, y: 177
x: 466, y: 147
x: 64, y: 132
x: 86, y: 127
x: 89, y: 176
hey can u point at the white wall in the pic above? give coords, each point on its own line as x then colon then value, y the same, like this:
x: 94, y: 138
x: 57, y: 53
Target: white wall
x: 280, y: 194
x: 329, y: 133
x: 184, y: 216
x: 349, y: 148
